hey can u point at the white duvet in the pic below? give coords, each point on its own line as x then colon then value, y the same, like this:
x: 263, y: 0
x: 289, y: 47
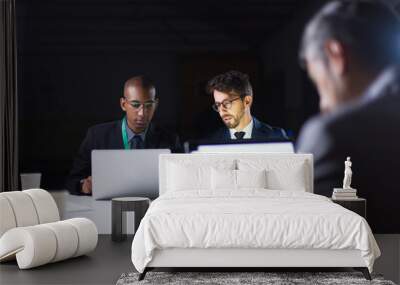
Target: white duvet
x: 250, y: 219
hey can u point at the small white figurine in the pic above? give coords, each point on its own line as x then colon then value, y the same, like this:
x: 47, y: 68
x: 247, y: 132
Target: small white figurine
x: 348, y: 173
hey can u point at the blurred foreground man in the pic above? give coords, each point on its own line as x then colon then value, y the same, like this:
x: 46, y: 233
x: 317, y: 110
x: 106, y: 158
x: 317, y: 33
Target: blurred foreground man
x: 351, y: 50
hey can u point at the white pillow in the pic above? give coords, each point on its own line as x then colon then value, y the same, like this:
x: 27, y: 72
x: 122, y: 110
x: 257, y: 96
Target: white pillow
x: 227, y: 179
x: 223, y: 179
x: 282, y: 174
x: 183, y: 178
x: 251, y: 178
x: 187, y: 175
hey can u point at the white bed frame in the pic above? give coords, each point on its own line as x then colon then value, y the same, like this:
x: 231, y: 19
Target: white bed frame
x: 251, y: 258
x: 234, y: 257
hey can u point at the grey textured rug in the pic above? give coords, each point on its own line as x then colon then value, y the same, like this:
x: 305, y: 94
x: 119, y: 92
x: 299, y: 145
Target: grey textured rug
x: 243, y: 278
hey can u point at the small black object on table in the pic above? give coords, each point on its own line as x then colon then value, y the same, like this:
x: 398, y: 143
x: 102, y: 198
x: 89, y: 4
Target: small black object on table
x: 357, y: 205
x: 139, y: 205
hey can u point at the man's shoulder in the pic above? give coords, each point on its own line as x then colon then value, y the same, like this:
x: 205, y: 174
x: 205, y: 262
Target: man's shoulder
x: 106, y: 125
x: 317, y: 123
x: 156, y: 128
x: 331, y: 121
x: 314, y: 132
x: 158, y: 133
x: 105, y: 128
x: 332, y: 130
x: 162, y: 137
x: 269, y: 131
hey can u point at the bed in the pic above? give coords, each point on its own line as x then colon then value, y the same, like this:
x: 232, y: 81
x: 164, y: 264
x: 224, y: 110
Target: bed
x: 247, y: 210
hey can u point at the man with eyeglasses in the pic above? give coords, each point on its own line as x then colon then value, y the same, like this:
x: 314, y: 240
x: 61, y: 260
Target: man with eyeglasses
x: 134, y: 131
x: 233, y: 96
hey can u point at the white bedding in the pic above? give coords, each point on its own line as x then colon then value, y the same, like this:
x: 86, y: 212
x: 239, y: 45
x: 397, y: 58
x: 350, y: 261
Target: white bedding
x: 251, y: 218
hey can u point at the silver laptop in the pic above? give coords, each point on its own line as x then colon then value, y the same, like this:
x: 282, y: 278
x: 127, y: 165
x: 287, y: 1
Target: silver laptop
x: 120, y: 173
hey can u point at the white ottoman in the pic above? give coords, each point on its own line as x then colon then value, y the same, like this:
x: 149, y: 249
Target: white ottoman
x: 31, y: 232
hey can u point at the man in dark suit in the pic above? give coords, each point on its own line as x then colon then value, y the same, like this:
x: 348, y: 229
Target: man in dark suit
x: 350, y: 50
x: 233, y: 96
x: 134, y: 131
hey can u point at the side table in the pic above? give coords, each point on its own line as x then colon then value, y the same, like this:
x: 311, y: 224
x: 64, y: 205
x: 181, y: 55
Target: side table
x: 357, y: 205
x: 139, y: 205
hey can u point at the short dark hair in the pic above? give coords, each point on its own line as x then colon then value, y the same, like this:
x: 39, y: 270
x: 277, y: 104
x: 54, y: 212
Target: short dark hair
x: 140, y: 80
x: 231, y: 82
x: 370, y: 29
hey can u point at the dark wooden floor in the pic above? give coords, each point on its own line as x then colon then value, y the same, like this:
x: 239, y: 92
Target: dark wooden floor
x: 111, y: 259
x: 102, y: 266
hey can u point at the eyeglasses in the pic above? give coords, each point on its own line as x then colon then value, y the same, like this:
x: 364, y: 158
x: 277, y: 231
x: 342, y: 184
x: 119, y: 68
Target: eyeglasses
x: 148, y: 105
x: 227, y: 104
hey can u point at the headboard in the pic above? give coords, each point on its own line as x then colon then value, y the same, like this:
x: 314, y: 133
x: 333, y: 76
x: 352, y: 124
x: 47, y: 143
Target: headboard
x: 287, y: 159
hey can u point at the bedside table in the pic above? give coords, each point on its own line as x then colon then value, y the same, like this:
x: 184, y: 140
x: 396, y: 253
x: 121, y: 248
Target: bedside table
x: 357, y: 205
x: 139, y: 205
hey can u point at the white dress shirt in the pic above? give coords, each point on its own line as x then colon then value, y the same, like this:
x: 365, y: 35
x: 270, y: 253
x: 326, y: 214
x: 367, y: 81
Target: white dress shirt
x: 247, y: 130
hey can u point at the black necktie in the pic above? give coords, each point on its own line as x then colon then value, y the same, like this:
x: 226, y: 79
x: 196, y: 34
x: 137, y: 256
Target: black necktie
x: 239, y: 135
x: 136, y: 142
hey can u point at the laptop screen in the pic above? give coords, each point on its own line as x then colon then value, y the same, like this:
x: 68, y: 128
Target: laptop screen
x: 278, y: 147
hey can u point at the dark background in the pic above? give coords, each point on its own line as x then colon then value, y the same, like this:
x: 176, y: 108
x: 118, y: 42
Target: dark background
x: 74, y: 57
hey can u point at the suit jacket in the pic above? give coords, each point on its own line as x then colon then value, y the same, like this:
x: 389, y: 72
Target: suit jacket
x: 261, y: 131
x: 109, y: 136
x: 369, y: 132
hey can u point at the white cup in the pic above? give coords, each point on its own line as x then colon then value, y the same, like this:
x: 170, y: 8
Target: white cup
x: 30, y: 180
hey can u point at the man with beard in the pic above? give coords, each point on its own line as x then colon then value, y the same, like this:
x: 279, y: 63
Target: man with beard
x: 233, y: 97
x: 134, y: 131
